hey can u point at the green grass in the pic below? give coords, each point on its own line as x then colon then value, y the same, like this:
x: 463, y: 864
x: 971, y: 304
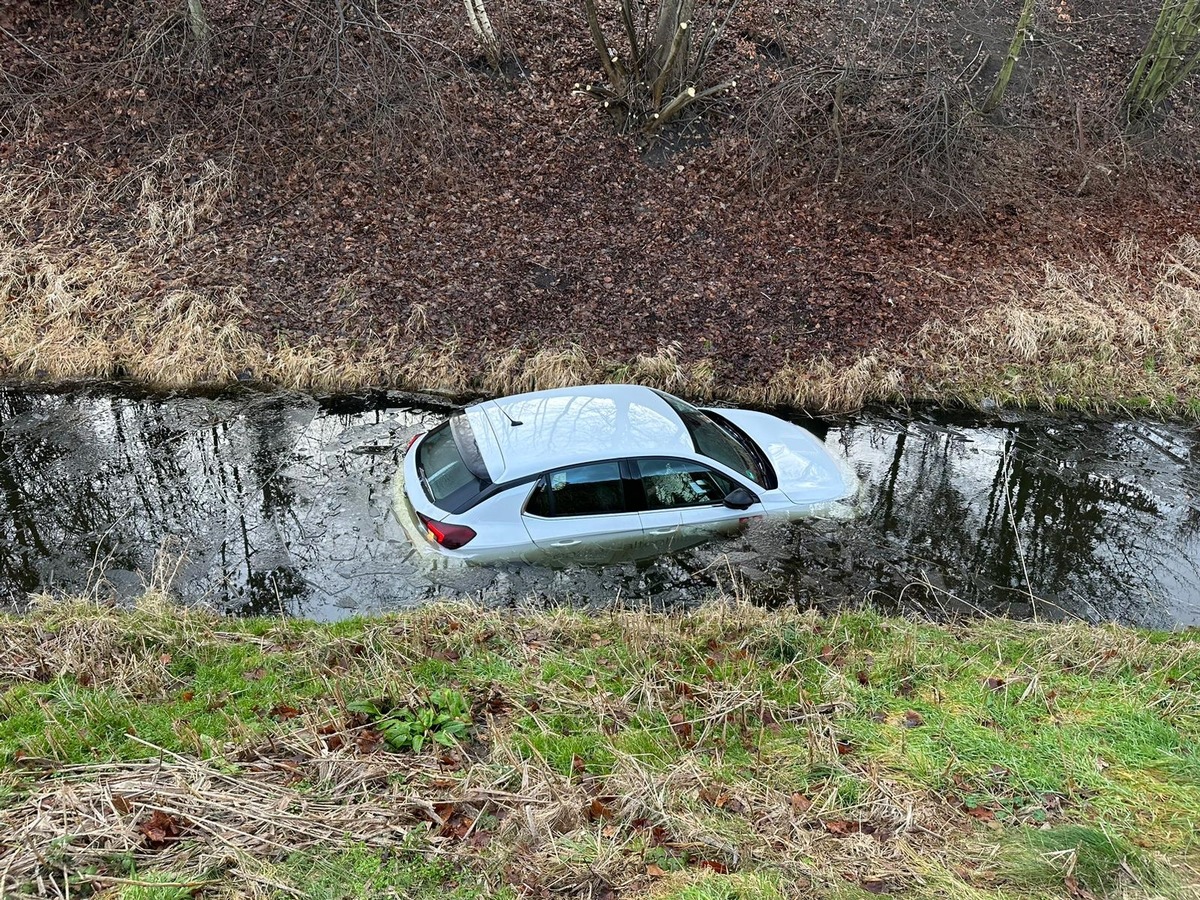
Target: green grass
x: 198, y: 699
x: 355, y: 873
x: 755, y: 886
x: 1099, y: 861
x: 165, y: 885
x: 740, y: 752
x: 363, y: 874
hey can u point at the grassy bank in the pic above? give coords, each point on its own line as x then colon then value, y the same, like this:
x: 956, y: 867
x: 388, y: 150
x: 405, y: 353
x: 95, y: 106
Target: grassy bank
x: 458, y: 752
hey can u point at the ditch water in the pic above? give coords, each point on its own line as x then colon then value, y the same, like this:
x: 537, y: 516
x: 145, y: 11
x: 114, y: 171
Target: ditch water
x: 270, y: 502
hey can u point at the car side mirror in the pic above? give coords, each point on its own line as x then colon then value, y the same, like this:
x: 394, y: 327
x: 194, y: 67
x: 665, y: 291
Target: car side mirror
x: 740, y: 498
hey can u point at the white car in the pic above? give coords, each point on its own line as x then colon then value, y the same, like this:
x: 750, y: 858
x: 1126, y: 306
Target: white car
x: 590, y: 474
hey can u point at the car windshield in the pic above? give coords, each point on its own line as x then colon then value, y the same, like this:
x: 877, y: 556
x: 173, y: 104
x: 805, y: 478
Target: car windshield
x: 447, y: 479
x: 717, y: 442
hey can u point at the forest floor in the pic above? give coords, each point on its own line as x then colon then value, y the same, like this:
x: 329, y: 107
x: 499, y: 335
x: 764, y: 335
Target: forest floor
x: 337, y: 204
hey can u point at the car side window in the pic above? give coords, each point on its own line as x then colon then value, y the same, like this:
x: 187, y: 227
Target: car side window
x: 671, y: 483
x: 589, y: 490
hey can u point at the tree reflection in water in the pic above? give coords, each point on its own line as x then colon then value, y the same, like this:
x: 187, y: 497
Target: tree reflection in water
x: 272, y: 500
x: 280, y: 502
x: 1041, y: 516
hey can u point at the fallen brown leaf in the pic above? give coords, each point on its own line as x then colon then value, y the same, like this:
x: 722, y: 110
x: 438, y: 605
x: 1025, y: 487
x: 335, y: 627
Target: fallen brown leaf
x: 982, y: 813
x: 681, y: 726
x: 843, y: 827
x: 599, y: 809
x: 1077, y: 890
x: 368, y: 740
x: 160, y: 829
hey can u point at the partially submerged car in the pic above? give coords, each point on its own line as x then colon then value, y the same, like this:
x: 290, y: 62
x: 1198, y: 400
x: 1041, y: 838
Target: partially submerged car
x: 589, y: 474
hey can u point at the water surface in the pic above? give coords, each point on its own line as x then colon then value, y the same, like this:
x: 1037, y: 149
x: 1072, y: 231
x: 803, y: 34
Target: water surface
x: 268, y: 502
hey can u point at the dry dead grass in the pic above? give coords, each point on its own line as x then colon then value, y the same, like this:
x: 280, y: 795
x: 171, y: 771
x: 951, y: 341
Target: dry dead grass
x: 1090, y: 337
x: 74, y: 306
x: 233, y: 823
x: 77, y: 305
x: 518, y: 371
x: 78, y: 301
x: 828, y: 386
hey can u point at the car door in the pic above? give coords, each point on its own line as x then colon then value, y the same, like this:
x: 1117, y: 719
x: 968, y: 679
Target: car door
x: 581, y: 512
x: 684, y: 500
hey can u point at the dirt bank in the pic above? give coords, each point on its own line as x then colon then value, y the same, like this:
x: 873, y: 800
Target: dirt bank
x: 316, y: 205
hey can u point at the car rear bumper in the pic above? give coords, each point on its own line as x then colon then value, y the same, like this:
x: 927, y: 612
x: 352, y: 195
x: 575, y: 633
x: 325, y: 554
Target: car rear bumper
x: 414, y: 529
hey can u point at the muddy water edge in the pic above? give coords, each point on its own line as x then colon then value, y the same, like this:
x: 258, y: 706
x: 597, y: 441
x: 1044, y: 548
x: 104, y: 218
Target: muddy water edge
x: 262, y: 501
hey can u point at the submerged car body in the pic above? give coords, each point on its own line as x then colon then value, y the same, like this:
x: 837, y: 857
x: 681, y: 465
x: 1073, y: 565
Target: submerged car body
x: 590, y: 474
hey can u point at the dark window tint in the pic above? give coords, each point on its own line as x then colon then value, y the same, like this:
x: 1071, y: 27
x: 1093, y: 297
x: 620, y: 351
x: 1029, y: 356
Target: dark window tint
x: 539, y: 503
x: 581, y: 491
x: 447, y: 480
x: 717, y: 441
x: 670, y: 483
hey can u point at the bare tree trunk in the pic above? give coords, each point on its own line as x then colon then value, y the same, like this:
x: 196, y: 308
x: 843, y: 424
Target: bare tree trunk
x: 198, y: 22
x: 678, y: 44
x: 616, y: 83
x: 1170, y: 57
x: 996, y: 97
x: 670, y: 49
x: 481, y: 24
x: 201, y: 32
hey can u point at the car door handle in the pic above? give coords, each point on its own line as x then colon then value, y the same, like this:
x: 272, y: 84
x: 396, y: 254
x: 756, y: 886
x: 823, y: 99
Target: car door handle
x: 670, y: 530
x: 565, y: 543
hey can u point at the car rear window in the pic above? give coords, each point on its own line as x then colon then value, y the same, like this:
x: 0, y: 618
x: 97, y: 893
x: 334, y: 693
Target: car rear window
x: 588, y: 490
x: 448, y: 480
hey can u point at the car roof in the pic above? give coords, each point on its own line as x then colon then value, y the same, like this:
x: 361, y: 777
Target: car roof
x: 569, y: 426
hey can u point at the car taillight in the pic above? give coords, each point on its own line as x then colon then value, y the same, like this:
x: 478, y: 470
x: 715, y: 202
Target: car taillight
x: 412, y: 440
x: 449, y: 536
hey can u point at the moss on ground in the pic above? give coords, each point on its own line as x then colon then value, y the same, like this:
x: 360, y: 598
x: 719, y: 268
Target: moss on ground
x: 731, y: 752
